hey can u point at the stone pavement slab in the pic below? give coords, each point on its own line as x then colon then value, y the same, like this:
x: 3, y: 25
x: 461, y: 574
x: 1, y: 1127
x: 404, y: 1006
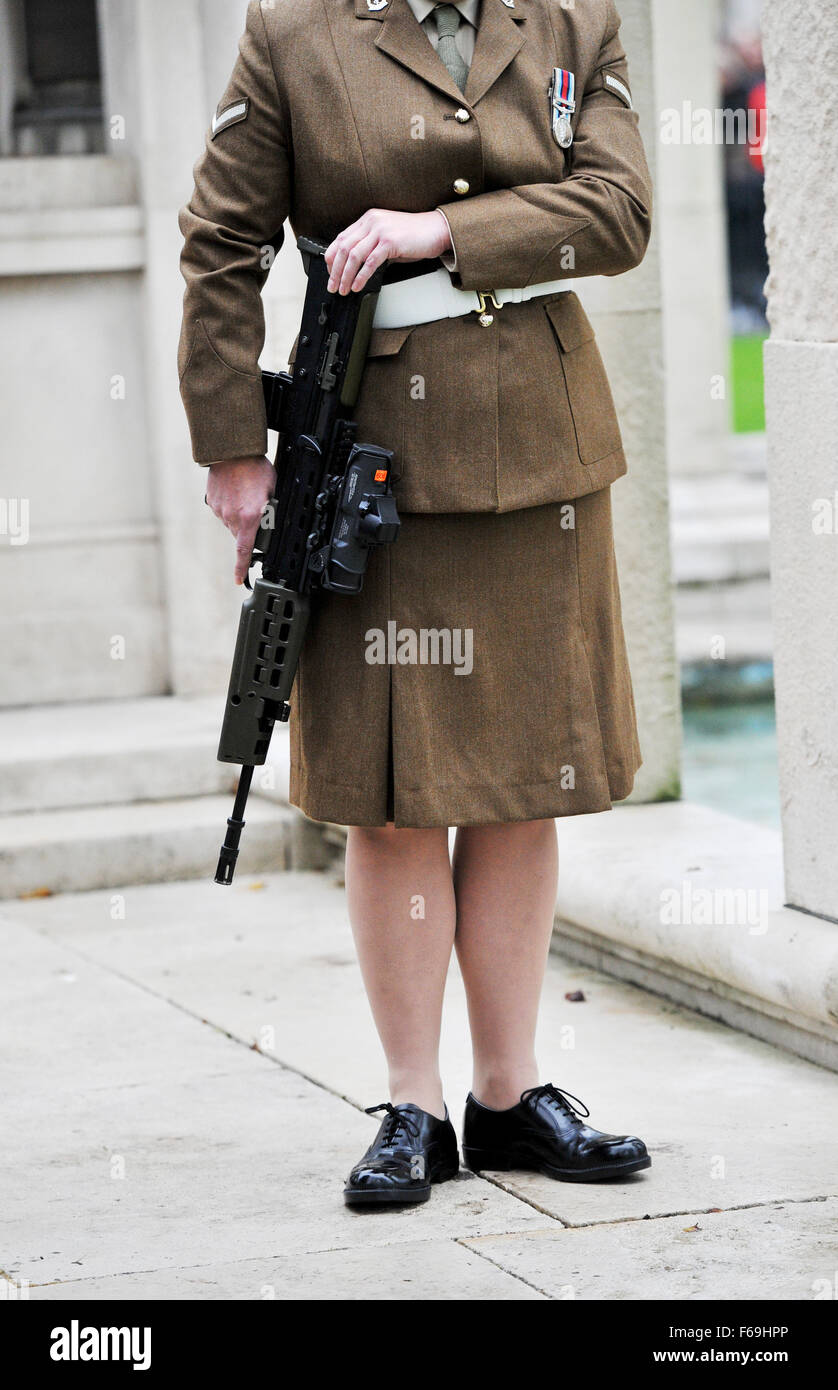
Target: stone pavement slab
x: 205, y: 1041
x: 433, y: 1269
x: 782, y: 1251
x: 137, y: 1138
x: 730, y: 1120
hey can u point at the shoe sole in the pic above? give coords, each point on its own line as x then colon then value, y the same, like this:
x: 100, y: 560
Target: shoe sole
x: 380, y: 1197
x: 478, y: 1161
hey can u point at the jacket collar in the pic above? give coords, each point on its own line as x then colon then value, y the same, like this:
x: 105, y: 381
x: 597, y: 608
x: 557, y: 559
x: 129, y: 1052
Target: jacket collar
x: 378, y: 9
x: 496, y: 44
x: 470, y: 9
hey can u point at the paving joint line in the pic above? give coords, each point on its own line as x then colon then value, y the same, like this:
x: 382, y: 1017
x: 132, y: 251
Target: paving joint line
x: 412, y: 1239
x: 661, y: 1215
x: 528, y: 1201
x: 205, y: 1022
x: 463, y: 1241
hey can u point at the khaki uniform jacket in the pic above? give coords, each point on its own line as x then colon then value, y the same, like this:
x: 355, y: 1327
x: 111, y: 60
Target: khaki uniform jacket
x: 335, y: 107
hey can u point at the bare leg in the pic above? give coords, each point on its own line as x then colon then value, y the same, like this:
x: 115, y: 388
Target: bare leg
x: 401, y: 905
x: 505, y: 881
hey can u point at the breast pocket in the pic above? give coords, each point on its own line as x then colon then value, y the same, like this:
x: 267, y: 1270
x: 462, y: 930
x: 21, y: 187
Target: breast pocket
x: 588, y: 391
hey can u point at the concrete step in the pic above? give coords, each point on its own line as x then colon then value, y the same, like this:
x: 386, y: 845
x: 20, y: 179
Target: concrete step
x: 724, y: 624
x: 720, y: 528
x: 111, y: 751
x: 79, y: 848
x: 119, y: 751
x: 693, y: 908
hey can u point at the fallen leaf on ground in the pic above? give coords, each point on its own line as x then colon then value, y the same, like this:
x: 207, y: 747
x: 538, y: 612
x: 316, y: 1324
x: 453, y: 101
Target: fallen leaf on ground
x: 575, y: 996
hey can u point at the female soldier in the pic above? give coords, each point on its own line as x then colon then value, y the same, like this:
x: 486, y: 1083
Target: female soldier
x: 489, y: 152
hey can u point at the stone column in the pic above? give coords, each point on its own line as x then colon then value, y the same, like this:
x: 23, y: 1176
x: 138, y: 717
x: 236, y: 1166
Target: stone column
x: 11, y: 63
x: 627, y: 314
x: 120, y: 78
x: 801, y: 361
x: 691, y: 223
x: 176, y: 107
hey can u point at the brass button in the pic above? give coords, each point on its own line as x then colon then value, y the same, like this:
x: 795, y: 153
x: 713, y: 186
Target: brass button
x: 460, y: 186
x: 461, y: 114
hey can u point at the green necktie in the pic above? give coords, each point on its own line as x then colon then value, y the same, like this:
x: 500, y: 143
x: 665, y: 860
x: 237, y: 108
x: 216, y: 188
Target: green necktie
x: 447, y: 19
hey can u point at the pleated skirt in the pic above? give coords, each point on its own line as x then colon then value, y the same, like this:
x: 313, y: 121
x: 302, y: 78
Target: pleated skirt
x: 480, y: 677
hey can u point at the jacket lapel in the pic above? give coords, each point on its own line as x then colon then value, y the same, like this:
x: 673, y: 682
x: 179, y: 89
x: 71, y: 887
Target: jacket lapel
x: 405, y: 40
x: 498, y: 40
x: 496, y: 44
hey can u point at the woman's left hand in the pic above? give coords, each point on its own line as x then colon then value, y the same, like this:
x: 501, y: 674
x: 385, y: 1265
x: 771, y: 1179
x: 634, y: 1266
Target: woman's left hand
x: 383, y: 236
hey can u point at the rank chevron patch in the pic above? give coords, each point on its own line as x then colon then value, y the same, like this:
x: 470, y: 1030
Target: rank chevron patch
x: 230, y: 115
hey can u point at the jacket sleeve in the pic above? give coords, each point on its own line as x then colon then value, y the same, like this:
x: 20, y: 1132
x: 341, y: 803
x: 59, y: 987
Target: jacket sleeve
x: 602, y: 209
x: 232, y: 227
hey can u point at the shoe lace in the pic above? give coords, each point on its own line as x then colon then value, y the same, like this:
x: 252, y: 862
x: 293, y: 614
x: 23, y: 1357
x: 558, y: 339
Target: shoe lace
x: 563, y: 1099
x: 396, y: 1120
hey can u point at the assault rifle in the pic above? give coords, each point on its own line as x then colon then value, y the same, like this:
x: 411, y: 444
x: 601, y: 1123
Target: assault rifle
x: 333, y: 503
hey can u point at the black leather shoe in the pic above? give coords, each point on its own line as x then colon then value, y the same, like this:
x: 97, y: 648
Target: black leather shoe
x: 411, y: 1150
x: 545, y: 1132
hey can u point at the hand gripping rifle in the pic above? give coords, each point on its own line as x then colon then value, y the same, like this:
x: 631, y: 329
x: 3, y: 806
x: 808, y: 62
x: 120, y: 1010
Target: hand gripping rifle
x: 333, y: 503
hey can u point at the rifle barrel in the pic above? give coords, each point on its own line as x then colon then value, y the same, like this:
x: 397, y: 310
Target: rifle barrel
x: 235, y: 825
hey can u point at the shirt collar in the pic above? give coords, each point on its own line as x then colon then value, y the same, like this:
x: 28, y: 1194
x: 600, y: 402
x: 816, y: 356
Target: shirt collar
x: 468, y: 9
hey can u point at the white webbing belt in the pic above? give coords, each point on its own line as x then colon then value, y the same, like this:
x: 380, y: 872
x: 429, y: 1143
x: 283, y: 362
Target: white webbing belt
x: 432, y: 296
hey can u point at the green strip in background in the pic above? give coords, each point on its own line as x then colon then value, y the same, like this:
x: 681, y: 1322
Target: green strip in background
x: 747, y: 377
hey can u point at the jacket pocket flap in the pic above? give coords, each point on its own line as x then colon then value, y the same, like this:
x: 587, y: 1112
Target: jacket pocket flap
x: 384, y: 342
x: 571, y: 324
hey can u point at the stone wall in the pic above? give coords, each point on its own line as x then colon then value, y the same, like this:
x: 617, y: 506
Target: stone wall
x: 801, y: 361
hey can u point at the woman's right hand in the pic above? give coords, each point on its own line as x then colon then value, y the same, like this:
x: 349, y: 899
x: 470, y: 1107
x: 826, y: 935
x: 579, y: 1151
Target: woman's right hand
x: 237, y: 492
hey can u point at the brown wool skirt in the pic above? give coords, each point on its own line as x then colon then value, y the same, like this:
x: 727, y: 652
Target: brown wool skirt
x: 530, y: 717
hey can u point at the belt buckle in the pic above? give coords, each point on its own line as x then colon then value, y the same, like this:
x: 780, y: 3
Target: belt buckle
x: 485, y: 318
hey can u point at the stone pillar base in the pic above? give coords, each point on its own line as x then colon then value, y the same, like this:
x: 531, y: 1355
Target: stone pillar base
x: 691, y: 907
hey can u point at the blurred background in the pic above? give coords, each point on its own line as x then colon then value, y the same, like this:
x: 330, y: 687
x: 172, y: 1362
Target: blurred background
x: 728, y: 707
